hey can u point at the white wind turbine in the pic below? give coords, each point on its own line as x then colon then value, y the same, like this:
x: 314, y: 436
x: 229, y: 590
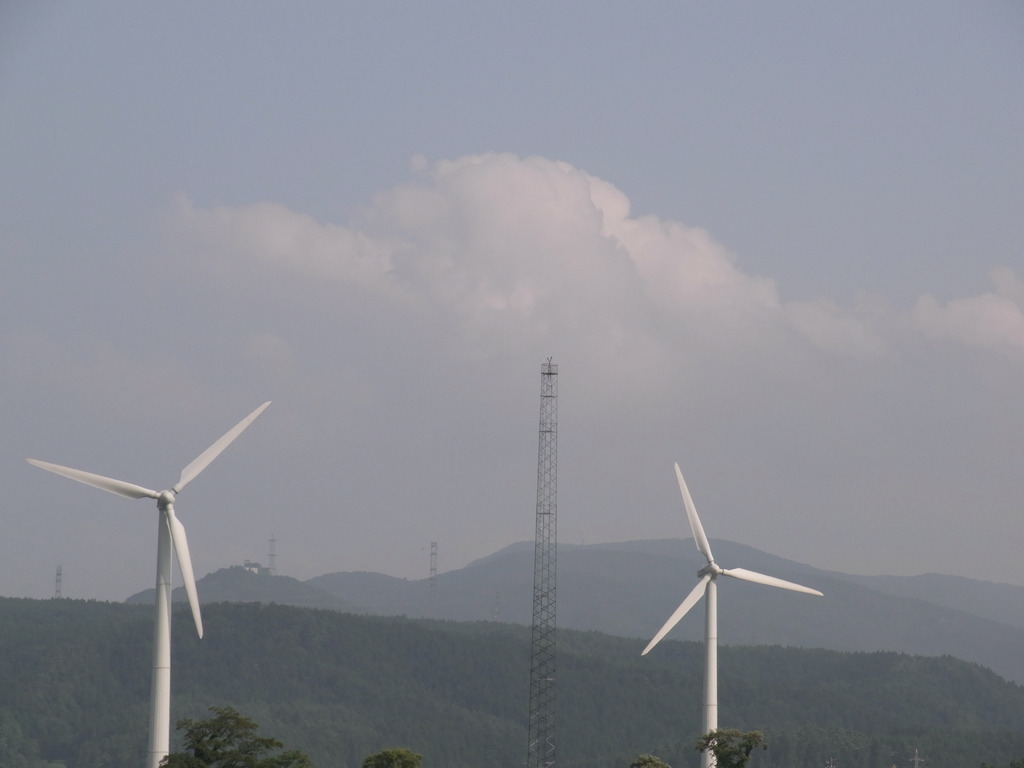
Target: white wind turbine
x: 706, y: 586
x: 171, y: 535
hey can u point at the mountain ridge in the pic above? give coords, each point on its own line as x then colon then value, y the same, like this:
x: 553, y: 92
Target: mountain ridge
x: 629, y: 589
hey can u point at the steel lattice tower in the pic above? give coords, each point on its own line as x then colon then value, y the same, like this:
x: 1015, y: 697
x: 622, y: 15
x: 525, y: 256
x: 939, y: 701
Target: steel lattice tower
x: 432, y: 583
x: 542, y: 651
x: 433, y: 566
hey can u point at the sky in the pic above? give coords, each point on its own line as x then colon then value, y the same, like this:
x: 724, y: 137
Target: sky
x: 779, y: 244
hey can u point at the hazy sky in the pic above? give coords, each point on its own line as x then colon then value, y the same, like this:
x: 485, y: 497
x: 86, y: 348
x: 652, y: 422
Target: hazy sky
x: 779, y: 243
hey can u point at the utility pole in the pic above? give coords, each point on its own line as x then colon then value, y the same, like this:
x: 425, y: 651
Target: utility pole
x: 542, y: 650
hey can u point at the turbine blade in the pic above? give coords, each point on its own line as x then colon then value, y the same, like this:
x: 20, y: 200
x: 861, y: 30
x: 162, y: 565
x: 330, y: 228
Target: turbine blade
x: 189, y: 473
x: 771, y: 581
x: 691, y: 514
x: 691, y: 599
x: 185, y: 566
x: 109, y: 484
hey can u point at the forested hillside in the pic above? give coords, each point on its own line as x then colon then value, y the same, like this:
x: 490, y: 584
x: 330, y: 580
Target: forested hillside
x: 74, y: 681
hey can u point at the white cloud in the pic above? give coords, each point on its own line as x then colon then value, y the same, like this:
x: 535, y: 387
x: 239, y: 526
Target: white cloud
x: 991, y: 320
x: 496, y: 253
x: 272, y: 235
x: 831, y: 328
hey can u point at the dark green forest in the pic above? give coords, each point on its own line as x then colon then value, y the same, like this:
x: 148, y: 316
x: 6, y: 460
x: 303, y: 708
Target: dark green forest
x: 74, y: 688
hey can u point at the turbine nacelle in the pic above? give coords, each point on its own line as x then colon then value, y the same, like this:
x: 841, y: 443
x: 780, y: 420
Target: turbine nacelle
x: 165, y: 499
x: 711, y: 569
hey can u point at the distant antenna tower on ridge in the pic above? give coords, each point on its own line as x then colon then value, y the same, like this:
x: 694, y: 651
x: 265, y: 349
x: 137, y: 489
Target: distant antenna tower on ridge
x: 432, y: 583
x: 433, y: 566
x: 60, y: 578
x: 542, y: 649
x: 271, y: 556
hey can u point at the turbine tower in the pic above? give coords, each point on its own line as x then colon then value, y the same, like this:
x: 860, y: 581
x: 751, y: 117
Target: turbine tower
x: 708, y: 588
x: 542, y: 651
x: 170, y: 536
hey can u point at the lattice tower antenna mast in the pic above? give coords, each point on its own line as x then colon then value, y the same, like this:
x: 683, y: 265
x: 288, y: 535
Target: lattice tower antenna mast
x: 433, y: 566
x: 58, y: 593
x: 432, y: 583
x: 272, y: 556
x: 542, y: 651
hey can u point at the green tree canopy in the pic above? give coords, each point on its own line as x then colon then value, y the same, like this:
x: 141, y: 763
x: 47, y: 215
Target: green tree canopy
x: 730, y: 746
x: 229, y: 740
x: 393, y: 758
x: 649, y: 761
